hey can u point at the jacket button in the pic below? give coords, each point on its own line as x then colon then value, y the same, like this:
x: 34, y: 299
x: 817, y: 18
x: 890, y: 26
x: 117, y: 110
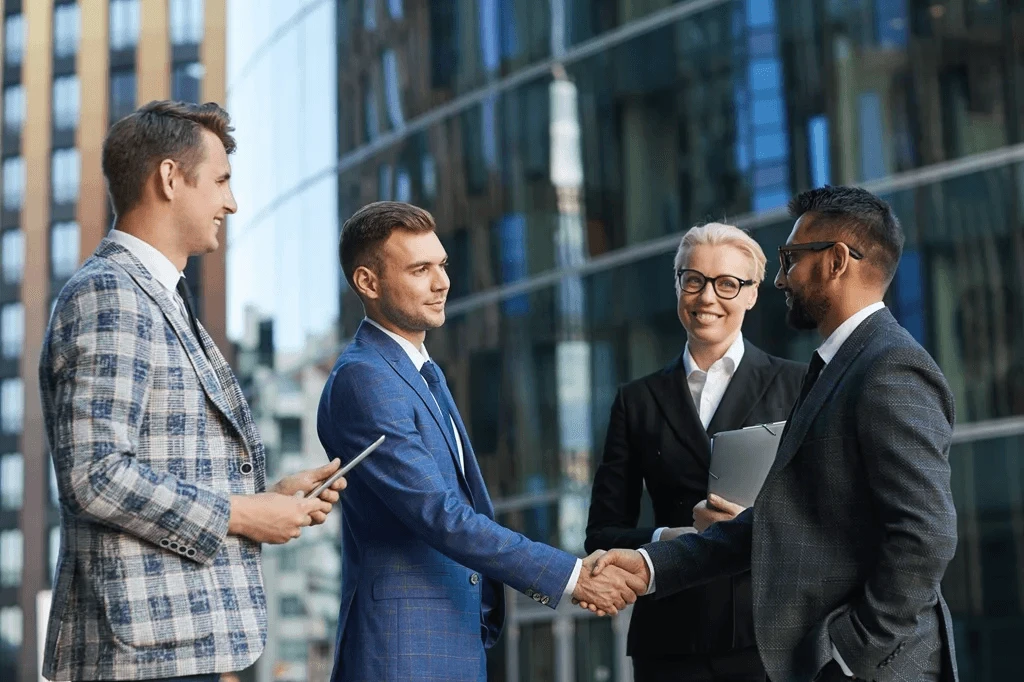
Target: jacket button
x: 529, y: 592
x: 537, y: 596
x: 190, y: 552
x: 246, y: 468
x: 165, y: 542
x: 545, y: 601
x: 474, y: 579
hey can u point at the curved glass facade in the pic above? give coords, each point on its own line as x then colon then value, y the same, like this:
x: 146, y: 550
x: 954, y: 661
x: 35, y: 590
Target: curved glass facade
x: 563, y: 146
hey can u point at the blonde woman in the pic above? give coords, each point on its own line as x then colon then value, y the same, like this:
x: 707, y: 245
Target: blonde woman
x: 659, y: 435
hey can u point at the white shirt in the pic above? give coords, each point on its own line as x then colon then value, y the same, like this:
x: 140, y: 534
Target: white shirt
x: 708, y: 388
x: 419, y: 356
x: 827, y: 351
x: 158, y: 265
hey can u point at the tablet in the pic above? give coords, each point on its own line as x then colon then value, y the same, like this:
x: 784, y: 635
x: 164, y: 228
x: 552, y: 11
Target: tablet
x: 740, y: 461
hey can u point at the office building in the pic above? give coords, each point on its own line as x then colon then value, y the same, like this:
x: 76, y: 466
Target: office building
x: 69, y: 70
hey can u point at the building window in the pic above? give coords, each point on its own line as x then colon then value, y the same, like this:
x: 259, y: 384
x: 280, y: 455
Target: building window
x: 395, y: 9
x: 12, y: 329
x: 186, y: 22
x: 369, y: 14
x: 124, y: 24
x: 13, y: 252
x: 392, y: 89
x: 14, y: 183
x: 371, y: 118
x: 122, y: 93
x: 64, y: 172
x: 64, y: 249
x: 14, y: 108
x: 66, y: 29
x: 12, y: 481
x: 10, y: 558
x: 66, y: 98
x: 186, y: 80
x: 14, y: 39
x: 293, y: 650
x: 12, y: 406
x: 10, y: 626
x: 291, y: 607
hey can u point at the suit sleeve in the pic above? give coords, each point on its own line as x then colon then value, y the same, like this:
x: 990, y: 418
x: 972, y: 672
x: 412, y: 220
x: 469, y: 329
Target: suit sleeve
x: 905, y: 428
x: 618, y: 487
x: 95, y: 376
x: 404, y: 475
x: 695, y: 558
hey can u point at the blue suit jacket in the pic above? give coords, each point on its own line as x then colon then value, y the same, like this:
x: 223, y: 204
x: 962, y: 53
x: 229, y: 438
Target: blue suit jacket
x: 423, y: 559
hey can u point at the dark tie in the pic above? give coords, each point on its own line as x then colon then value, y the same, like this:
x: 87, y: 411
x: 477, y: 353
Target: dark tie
x: 186, y: 298
x: 813, y: 371
x: 440, y: 392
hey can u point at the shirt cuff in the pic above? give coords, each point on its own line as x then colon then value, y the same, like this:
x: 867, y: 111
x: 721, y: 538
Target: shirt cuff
x: 842, y: 664
x: 570, y: 586
x: 650, y: 568
x: 656, y: 537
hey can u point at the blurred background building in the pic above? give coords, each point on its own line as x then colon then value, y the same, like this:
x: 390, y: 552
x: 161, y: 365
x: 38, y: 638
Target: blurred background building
x: 562, y: 146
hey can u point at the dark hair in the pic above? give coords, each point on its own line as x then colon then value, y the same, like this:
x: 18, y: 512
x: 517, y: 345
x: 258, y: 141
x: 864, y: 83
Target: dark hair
x: 858, y: 217
x: 160, y: 130
x: 363, y: 234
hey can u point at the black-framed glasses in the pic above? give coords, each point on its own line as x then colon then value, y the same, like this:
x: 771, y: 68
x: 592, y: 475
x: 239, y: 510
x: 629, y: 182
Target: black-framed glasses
x: 726, y: 287
x: 786, y: 251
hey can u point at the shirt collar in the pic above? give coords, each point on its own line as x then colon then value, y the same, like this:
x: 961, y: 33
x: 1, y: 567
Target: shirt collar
x: 419, y: 356
x: 836, y: 339
x: 731, y: 359
x: 158, y: 265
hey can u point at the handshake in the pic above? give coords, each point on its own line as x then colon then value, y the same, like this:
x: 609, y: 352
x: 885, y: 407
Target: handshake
x: 609, y: 581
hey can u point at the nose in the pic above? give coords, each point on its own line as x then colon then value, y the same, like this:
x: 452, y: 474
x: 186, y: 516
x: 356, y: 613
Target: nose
x: 229, y: 202
x: 707, y: 294
x: 442, y: 282
x: 780, y: 279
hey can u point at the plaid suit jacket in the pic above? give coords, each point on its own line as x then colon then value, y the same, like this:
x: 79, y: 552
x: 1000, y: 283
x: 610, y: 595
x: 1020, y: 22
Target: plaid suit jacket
x: 852, y: 531
x: 423, y: 559
x: 149, y: 438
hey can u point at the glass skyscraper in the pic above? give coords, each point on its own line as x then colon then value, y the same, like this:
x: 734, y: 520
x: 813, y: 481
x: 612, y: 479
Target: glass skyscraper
x: 563, y: 146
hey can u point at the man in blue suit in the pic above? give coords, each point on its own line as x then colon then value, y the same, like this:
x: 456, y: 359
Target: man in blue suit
x: 424, y: 560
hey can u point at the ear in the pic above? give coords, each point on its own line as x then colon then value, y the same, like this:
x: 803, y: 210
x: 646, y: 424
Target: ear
x: 753, y: 296
x: 839, y: 261
x: 367, y: 283
x: 167, y: 178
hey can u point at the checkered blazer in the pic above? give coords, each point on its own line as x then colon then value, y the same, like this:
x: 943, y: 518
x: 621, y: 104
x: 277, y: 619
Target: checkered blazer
x: 423, y: 559
x: 149, y: 438
x: 853, y: 529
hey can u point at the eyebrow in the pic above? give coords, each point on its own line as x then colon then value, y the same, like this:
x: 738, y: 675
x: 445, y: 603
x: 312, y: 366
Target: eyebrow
x: 420, y: 264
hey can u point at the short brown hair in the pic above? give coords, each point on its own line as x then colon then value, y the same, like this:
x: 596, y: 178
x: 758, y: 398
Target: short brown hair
x: 160, y: 130
x: 363, y: 234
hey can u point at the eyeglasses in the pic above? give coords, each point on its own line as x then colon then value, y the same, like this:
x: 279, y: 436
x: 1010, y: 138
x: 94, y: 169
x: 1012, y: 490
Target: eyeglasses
x: 786, y: 251
x: 726, y: 287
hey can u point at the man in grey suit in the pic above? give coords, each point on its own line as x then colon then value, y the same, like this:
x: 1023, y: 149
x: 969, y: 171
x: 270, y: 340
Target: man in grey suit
x: 851, y: 534
x: 160, y: 469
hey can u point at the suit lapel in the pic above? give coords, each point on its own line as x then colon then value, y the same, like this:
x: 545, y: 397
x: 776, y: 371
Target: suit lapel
x: 400, y: 362
x: 672, y: 395
x: 748, y: 385
x: 827, y: 382
x: 204, y: 370
x: 473, y: 477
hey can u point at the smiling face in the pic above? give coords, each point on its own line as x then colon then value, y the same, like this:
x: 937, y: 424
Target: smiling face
x: 413, y: 281
x: 205, y: 199
x: 710, y: 320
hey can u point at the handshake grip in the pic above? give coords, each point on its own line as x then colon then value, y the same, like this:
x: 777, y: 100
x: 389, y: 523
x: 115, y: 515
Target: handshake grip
x: 610, y: 581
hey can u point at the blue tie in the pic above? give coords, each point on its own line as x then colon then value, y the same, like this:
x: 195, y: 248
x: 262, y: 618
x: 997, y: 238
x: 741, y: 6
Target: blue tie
x: 440, y: 391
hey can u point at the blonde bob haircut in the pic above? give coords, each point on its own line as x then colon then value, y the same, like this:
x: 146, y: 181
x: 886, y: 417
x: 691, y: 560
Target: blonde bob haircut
x: 720, y: 234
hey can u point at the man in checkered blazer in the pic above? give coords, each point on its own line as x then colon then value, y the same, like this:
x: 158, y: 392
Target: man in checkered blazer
x: 159, y: 465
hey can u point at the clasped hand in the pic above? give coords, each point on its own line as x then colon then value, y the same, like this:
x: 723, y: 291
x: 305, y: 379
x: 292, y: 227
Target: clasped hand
x: 607, y: 588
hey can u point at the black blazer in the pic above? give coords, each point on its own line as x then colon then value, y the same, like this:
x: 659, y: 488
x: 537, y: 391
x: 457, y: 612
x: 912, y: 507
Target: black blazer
x: 655, y: 436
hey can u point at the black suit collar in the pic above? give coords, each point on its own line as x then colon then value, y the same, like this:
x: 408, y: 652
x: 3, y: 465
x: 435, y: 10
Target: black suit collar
x: 672, y: 395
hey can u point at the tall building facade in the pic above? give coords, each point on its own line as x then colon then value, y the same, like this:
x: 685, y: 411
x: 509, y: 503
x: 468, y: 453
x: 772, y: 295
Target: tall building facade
x: 70, y: 69
x: 563, y: 147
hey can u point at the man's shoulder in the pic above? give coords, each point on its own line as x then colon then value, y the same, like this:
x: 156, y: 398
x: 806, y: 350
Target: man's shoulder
x: 101, y: 279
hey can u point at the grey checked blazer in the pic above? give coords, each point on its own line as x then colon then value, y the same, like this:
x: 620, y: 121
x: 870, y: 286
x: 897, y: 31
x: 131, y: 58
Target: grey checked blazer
x: 149, y: 438
x: 851, y: 534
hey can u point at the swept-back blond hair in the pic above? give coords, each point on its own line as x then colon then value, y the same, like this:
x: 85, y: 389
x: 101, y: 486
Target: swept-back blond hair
x: 720, y: 234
